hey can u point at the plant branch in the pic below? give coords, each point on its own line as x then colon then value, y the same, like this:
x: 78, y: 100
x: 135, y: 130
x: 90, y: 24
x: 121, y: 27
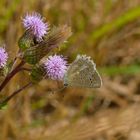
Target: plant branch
x: 15, y: 93
x: 11, y: 74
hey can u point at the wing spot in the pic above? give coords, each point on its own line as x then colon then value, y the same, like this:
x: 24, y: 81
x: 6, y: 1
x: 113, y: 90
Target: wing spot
x: 90, y: 80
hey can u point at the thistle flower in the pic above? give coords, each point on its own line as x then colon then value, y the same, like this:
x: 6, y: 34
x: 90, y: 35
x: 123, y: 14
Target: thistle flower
x: 3, y: 57
x: 55, y: 67
x: 35, y: 23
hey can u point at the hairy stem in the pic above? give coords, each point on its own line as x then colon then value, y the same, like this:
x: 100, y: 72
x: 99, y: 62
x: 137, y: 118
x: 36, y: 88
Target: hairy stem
x: 11, y: 74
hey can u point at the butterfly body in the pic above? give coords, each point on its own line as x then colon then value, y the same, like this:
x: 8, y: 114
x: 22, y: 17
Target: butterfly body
x: 82, y: 73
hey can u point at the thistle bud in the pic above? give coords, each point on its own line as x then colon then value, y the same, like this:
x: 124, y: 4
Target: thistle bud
x: 56, y: 37
x: 26, y: 40
x: 53, y: 67
x: 1, y: 72
x: 37, y: 73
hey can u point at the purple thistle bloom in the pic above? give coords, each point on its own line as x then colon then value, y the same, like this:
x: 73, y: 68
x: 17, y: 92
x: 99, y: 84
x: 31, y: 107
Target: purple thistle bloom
x: 55, y: 67
x: 35, y: 22
x: 3, y: 57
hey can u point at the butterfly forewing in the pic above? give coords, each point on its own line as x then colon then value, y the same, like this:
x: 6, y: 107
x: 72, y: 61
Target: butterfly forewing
x: 82, y: 73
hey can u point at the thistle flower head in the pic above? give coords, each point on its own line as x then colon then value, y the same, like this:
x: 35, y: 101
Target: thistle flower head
x: 55, y: 67
x: 36, y: 24
x: 3, y: 57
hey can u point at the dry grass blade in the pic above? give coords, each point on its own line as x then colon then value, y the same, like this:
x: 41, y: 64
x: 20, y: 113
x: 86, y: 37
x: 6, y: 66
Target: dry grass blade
x: 106, y: 124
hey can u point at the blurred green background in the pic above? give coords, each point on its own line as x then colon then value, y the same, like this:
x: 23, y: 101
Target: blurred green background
x: 106, y: 30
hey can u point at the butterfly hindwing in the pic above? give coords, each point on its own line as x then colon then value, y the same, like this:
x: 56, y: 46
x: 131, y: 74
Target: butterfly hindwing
x: 82, y: 73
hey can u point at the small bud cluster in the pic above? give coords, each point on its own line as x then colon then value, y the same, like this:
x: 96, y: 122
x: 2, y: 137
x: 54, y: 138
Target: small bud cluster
x: 55, y: 66
x: 35, y: 43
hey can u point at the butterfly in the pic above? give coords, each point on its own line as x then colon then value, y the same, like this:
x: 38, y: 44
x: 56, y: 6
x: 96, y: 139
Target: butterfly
x: 82, y: 73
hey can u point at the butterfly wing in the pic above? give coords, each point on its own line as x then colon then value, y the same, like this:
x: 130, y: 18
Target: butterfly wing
x: 82, y: 73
